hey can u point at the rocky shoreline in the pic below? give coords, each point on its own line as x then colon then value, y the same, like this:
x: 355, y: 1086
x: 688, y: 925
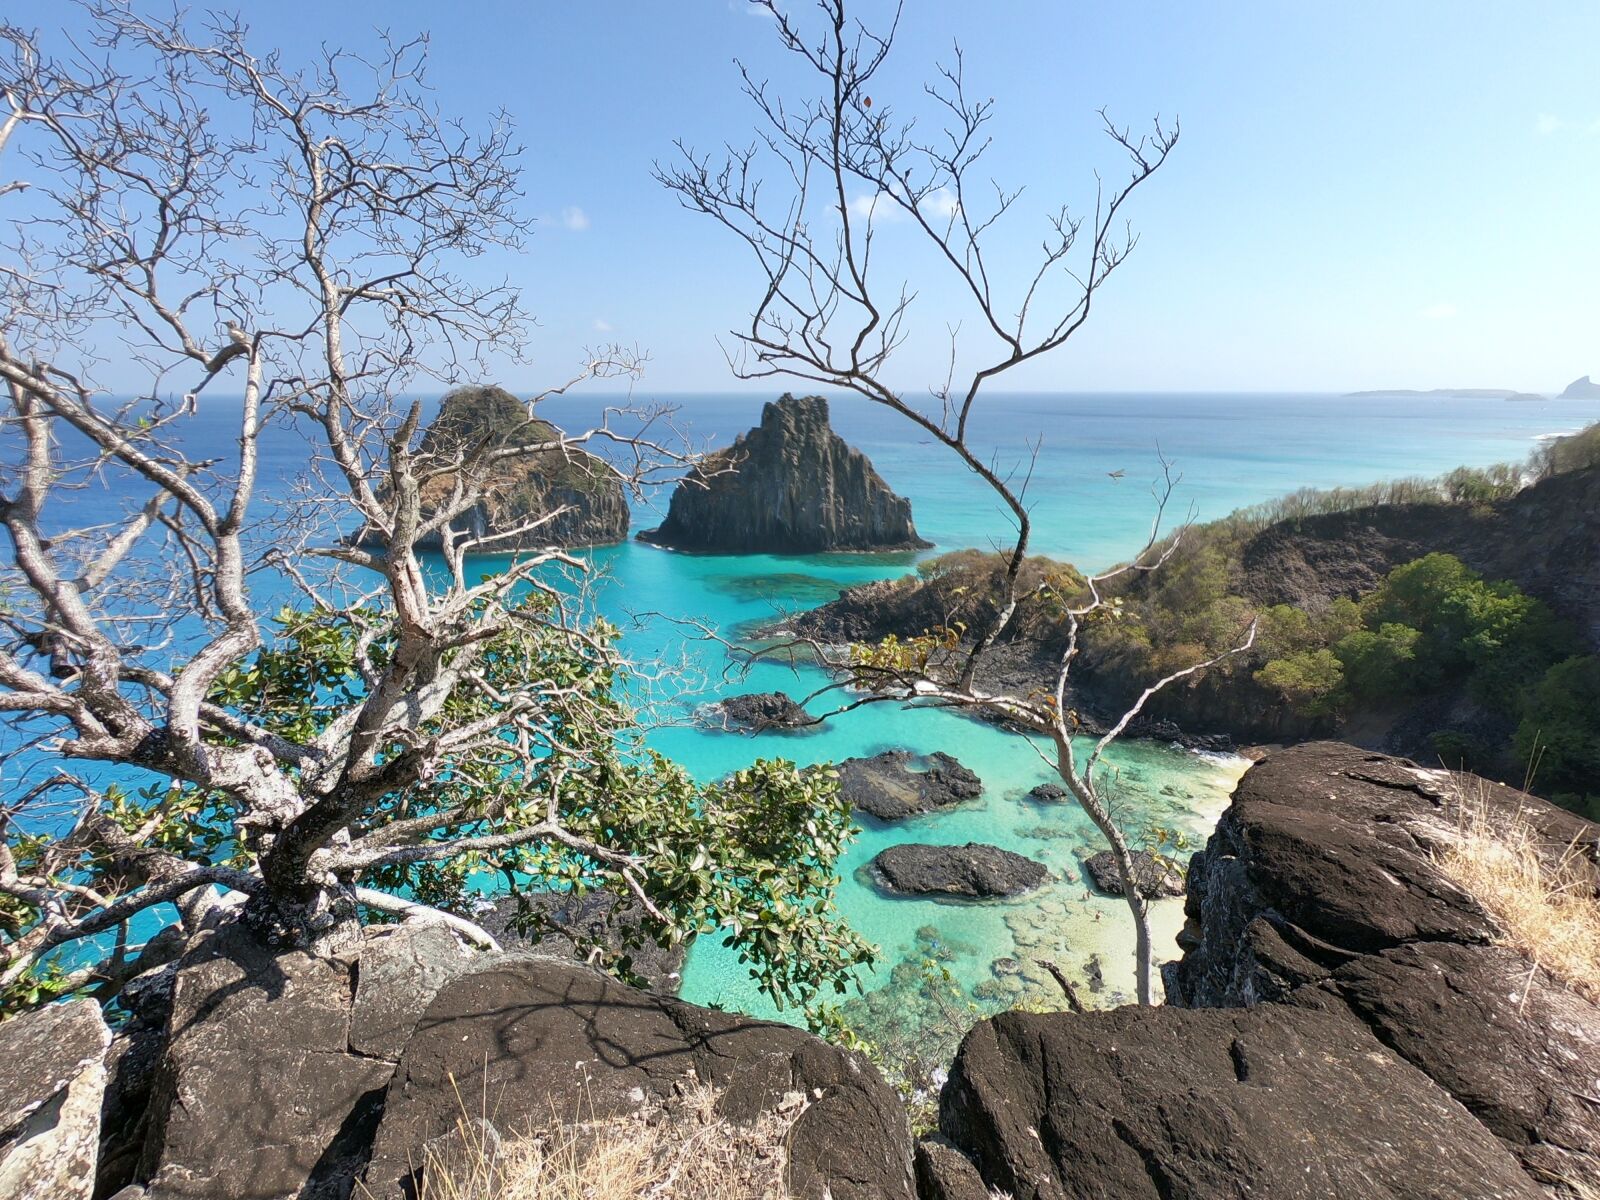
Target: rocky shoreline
x: 1345, y: 1020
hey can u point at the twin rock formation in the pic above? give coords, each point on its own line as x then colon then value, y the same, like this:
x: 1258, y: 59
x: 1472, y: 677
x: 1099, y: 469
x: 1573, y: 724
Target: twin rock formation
x: 790, y: 486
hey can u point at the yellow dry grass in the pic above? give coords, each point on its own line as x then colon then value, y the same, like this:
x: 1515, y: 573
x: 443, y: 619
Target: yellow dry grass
x: 682, y: 1151
x: 1542, y: 897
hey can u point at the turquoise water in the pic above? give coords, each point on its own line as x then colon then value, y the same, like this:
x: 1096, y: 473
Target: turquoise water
x: 1230, y: 451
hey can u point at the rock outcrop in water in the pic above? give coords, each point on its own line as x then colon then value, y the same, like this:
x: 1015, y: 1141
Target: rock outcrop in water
x: 1582, y: 388
x: 974, y: 871
x: 1345, y: 1021
x: 587, y: 497
x: 1153, y: 875
x: 789, y: 486
x: 756, y: 712
x: 884, y: 786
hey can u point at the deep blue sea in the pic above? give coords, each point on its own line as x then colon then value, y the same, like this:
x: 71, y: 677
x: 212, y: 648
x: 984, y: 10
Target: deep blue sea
x: 1230, y: 451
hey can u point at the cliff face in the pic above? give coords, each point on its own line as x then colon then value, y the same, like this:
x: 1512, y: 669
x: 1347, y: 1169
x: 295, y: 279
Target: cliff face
x: 524, y: 488
x: 789, y: 486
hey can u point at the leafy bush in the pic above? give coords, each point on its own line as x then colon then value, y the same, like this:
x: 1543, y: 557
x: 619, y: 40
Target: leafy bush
x: 1381, y: 662
x: 1559, y: 737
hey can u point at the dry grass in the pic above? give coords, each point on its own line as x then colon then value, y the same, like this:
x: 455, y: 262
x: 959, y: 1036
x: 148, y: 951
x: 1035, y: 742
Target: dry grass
x: 1543, y: 898
x: 679, y: 1151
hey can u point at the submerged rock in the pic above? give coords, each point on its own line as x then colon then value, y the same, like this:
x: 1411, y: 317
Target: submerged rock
x: 1153, y: 875
x: 759, y: 711
x: 586, y: 496
x: 974, y: 870
x: 884, y: 786
x: 789, y: 486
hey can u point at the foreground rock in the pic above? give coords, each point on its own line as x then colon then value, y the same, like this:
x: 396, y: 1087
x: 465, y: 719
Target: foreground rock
x: 789, y: 486
x: 540, y: 1039
x: 1272, y: 1102
x: 756, y: 712
x: 974, y: 871
x: 1153, y: 875
x: 567, y: 926
x: 284, y: 1075
x: 884, y: 786
x: 586, y: 499
x: 1320, y: 888
x: 52, y: 1082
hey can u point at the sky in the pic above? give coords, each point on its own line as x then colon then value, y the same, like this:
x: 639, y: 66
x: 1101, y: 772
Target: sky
x: 1367, y: 194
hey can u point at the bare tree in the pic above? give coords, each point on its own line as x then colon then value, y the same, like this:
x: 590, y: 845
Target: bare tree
x: 313, y: 238
x: 808, y: 198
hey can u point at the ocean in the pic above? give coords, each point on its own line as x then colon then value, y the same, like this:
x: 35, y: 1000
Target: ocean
x: 1090, y: 461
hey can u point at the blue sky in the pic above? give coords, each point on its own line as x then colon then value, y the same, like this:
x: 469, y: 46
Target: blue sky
x: 1367, y: 194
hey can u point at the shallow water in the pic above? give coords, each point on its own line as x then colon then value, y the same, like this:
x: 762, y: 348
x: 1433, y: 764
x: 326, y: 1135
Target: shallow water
x: 1230, y: 451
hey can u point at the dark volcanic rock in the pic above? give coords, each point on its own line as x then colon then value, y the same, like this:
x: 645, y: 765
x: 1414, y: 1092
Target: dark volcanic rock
x: 1152, y: 875
x: 275, y: 1064
x: 973, y: 870
x: 585, y: 494
x: 546, y: 1039
x: 944, y: 1173
x: 572, y: 926
x: 885, y: 787
x: 758, y: 711
x: 789, y: 486
x: 1160, y: 1103
x: 1320, y: 888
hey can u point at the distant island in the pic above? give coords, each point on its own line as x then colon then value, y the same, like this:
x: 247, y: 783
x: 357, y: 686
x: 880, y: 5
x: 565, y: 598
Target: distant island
x: 1460, y: 393
x: 1581, y: 389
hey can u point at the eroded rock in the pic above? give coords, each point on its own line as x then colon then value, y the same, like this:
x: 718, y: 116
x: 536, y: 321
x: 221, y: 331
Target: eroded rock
x: 1153, y: 875
x: 760, y: 711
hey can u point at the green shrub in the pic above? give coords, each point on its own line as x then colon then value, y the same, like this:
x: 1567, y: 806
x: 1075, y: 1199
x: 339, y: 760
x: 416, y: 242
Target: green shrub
x: 1310, y: 680
x: 1381, y: 662
x: 1558, y: 739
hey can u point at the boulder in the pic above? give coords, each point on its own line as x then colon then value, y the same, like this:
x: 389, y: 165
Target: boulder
x: 580, y: 495
x: 1320, y: 888
x: 536, y: 1039
x: 52, y: 1083
x: 758, y: 711
x: 1153, y: 875
x: 789, y: 486
x: 884, y: 786
x: 569, y: 926
x: 272, y: 1076
x: 971, y: 871
x: 944, y: 1173
x: 1272, y: 1101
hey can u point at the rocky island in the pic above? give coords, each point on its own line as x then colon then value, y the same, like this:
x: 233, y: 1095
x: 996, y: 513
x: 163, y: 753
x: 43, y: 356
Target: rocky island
x: 1582, y: 388
x: 790, y: 486
x: 587, y: 498
x: 971, y: 872
x: 884, y: 786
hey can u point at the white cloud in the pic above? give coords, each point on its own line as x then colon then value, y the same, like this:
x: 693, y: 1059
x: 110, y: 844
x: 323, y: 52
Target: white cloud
x: 601, y: 325
x: 941, y: 203
x: 878, y: 208
x: 574, y: 218
x: 1548, y: 125
x: 1439, y: 312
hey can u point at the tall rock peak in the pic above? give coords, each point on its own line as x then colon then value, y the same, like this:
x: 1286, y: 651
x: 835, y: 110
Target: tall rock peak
x: 789, y: 486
